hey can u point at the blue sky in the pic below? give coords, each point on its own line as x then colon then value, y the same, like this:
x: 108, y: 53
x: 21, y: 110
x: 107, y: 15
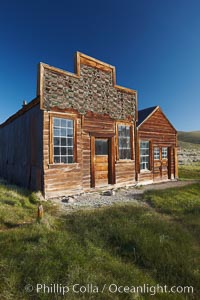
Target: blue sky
x: 154, y: 44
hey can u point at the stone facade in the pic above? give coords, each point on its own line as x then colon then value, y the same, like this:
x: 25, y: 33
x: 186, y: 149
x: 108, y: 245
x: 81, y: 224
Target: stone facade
x: 94, y: 91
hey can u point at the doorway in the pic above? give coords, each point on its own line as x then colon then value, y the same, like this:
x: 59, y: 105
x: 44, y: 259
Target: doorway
x: 102, y: 161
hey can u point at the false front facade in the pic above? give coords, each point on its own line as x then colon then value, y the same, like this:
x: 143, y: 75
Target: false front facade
x: 79, y: 134
x: 76, y: 135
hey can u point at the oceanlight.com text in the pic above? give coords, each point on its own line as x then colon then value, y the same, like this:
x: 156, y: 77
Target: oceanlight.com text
x: 113, y: 288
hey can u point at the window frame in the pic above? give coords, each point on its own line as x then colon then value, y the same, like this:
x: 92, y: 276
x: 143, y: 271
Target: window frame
x: 149, y: 162
x: 51, y: 148
x: 166, y: 153
x: 156, y: 147
x: 131, y: 142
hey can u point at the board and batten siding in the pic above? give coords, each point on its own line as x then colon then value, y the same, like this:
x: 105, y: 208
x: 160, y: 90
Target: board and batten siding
x: 21, y: 149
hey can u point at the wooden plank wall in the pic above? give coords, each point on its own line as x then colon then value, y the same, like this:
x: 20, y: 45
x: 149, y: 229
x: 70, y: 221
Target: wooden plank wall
x: 60, y: 180
x: 125, y: 169
x: 159, y: 132
x: 125, y: 173
x: 21, y: 149
x: 93, y: 124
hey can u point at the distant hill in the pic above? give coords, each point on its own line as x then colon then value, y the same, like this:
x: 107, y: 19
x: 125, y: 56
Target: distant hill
x: 189, y: 147
x: 189, y: 137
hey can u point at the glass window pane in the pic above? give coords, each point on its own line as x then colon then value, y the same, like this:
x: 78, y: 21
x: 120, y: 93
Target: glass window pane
x: 56, y: 132
x: 69, y: 132
x: 70, y: 151
x: 124, y: 131
x: 119, y: 130
x: 69, y: 142
x: 57, y: 159
x: 56, y: 122
x: 70, y: 123
x: 128, y: 131
x: 128, y: 153
x: 63, y: 151
x: 63, y: 132
x: 124, y: 142
x: 70, y: 159
x: 144, y: 155
x: 156, y: 153
x: 56, y: 150
x: 101, y: 147
x: 63, y: 123
x: 63, y: 141
x: 164, y: 152
x: 64, y: 159
x: 56, y: 141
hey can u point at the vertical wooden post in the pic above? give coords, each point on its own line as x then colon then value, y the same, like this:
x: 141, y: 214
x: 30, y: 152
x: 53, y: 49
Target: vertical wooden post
x: 169, y: 163
x: 40, y: 212
x: 111, y: 160
x: 92, y: 149
x: 176, y: 162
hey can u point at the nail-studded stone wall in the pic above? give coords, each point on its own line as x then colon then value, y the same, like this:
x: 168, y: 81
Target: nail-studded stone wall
x: 93, y: 91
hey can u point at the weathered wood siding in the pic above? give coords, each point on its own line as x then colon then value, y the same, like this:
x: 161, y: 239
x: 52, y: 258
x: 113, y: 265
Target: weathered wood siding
x: 93, y: 124
x: 125, y: 173
x: 21, y: 149
x: 61, y: 179
x: 125, y: 169
x: 93, y: 98
x: 160, y: 133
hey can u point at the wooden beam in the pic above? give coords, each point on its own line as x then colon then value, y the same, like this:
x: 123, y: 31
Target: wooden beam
x: 92, y: 147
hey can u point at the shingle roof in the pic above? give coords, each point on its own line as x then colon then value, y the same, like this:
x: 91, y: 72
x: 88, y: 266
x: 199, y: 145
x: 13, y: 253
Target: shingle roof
x: 144, y: 113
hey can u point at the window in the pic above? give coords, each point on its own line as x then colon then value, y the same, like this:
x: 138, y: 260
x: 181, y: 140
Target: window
x: 124, y: 142
x: 156, y: 153
x: 101, y: 147
x: 144, y: 155
x: 63, y: 141
x: 164, y: 152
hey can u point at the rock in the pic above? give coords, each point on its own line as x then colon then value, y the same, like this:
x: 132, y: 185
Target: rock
x: 64, y: 199
x: 69, y: 200
x: 109, y: 193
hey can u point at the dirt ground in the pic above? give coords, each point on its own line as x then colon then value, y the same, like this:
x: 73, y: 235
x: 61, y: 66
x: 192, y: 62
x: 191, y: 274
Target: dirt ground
x: 111, y: 197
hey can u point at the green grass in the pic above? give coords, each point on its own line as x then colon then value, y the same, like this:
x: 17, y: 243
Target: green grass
x: 189, y: 171
x: 181, y: 204
x: 127, y: 245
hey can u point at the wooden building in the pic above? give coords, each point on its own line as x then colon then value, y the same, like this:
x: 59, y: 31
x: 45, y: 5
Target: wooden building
x: 79, y: 134
x: 156, y: 147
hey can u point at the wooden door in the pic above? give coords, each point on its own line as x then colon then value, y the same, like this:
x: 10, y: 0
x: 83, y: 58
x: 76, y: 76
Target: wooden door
x: 164, y: 163
x: 161, y: 163
x: 101, y: 160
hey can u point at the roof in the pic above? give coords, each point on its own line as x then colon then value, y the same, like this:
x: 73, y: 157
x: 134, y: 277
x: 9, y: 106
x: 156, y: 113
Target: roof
x: 144, y: 113
x: 20, y: 112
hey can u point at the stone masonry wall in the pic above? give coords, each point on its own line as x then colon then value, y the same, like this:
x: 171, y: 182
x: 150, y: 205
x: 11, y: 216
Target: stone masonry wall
x: 93, y: 91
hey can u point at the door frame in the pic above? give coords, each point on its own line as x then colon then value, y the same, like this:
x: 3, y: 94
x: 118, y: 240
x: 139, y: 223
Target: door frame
x: 111, y: 156
x: 169, y: 154
x: 169, y: 149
